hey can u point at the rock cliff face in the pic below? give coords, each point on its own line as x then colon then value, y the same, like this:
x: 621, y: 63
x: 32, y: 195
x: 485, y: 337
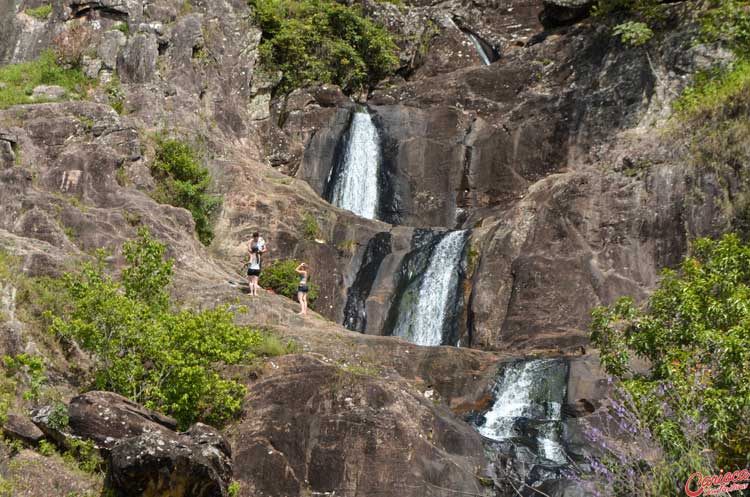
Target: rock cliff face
x: 547, y: 157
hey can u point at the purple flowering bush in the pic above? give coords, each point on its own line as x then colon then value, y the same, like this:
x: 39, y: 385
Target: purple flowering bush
x: 692, y: 404
x: 624, y: 458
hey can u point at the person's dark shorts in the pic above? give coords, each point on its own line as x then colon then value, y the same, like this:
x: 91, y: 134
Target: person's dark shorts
x: 302, y: 288
x: 253, y: 272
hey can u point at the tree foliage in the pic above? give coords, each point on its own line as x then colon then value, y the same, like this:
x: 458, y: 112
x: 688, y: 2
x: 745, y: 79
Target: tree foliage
x: 183, y: 181
x: 323, y: 41
x: 164, y: 359
x: 281, y: 277
x: 695, y: 334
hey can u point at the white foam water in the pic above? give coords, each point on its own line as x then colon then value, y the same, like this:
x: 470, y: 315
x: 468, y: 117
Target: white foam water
x: 514, y: 399
x: 423, y: 325
x: 480, y: 48
x: 356, y: 188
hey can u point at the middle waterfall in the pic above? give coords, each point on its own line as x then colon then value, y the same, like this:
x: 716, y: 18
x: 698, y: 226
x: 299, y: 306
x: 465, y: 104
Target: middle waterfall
x: 353, y: 184
x: 423, y: 321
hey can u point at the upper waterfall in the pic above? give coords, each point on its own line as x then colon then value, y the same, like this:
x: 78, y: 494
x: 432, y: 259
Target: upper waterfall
x: 480, y: 49
x: 424, y: 320
x: 355, y: 186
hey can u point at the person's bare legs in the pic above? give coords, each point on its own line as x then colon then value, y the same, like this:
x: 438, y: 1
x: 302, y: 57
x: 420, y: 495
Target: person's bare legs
x: 304, y: 304
x: 254, y: 289
x: 301, y: 300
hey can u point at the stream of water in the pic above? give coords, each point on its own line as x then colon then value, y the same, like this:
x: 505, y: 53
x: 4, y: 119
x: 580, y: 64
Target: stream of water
x: 424, y: 321
x: 356, y: 187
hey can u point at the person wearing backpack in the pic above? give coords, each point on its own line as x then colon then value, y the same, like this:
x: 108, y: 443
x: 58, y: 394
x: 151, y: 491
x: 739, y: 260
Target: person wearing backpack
x: 256, y: 247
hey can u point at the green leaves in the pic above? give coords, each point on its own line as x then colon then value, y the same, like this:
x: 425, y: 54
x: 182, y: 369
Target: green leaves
x: 281, y: 277
x: 695, y: 333
x: 166, y: 360
x: 322, y: 41
x: 633, y: 33
x: 184, y: 182
x: 148, y: 274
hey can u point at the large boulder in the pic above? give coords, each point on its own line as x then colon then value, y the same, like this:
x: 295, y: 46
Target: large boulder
x: 317, y: 427
x: 104, y: 418
x: 196, y: 463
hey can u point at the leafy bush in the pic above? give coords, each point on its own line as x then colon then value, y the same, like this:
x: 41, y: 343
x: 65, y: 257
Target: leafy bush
x: 31, y: 371
x: 183, y: 182
x: 625, y: 459
x: 323, y: 41
x: 41, y: 13
x: 19, y: 80
x: 633, y: 33
x: 728, y: 21
x: 694, y: 333
x: 281, y: 277
x: 166, y: 360
x: 310, y: 227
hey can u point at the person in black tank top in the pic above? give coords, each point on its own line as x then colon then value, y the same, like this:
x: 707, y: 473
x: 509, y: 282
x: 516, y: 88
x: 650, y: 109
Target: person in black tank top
x: 302, y: 288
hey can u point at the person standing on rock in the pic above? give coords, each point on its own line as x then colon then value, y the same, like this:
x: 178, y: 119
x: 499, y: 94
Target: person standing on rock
x: 302, y: 288
x: 255, y: 248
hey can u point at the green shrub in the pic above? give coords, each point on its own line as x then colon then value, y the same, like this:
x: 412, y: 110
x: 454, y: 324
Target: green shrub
x: 58, y: 417
x: 41, y: 13
x: 84, y: 454
x: 183, y: 181
x: 323, y: 41
x: 115, y: 95
x: 633, y: 33
x: 19, y: 80
x: 30, y: 370
x: 695, y: 334
x: 728, y: 21
x: 233, y: 490
x: 281, y: 277
x: 123, y: 27
x: 310, y: 227
x: 46, y: 448
x: 165, y: 360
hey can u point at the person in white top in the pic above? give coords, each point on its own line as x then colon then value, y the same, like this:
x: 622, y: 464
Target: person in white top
x: 256, y: 247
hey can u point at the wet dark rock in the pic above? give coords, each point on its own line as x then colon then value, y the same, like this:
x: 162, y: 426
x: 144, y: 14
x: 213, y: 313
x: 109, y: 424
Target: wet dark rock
x: 558, y: 13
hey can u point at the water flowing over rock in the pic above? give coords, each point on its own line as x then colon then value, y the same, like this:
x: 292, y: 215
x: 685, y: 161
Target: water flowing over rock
x: 480, y: 49
x: 528, y: 401
x: 353, y: 184
x: 423, y: 321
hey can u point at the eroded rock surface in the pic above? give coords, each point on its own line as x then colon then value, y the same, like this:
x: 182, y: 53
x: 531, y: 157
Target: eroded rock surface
x: 196, y: 463
x: 312, y: 426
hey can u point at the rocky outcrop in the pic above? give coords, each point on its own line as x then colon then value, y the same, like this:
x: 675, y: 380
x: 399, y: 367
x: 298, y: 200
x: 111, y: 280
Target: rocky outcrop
x: 316, y: 427
x: 105, y: 418
x: 196, y: 463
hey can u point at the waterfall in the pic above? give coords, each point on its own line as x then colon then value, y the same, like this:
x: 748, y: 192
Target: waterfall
x: 356, y: 184
x: 529, y: 393
x: 423, y: 321
x: 480, y: 48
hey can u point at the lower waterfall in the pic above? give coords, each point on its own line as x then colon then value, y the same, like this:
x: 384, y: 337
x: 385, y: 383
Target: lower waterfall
x: 528, y: 401
x: 423, y: 321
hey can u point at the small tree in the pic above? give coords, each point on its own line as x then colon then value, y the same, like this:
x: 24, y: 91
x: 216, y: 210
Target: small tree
x: 166, y: 360
x: 695, y: 333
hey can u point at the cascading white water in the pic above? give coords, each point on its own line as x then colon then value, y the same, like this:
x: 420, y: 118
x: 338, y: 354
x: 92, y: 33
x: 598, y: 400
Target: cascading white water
x: 423, y: 323
x: 529, y: 390
x: 356, y: 187
x: 480, y: 49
